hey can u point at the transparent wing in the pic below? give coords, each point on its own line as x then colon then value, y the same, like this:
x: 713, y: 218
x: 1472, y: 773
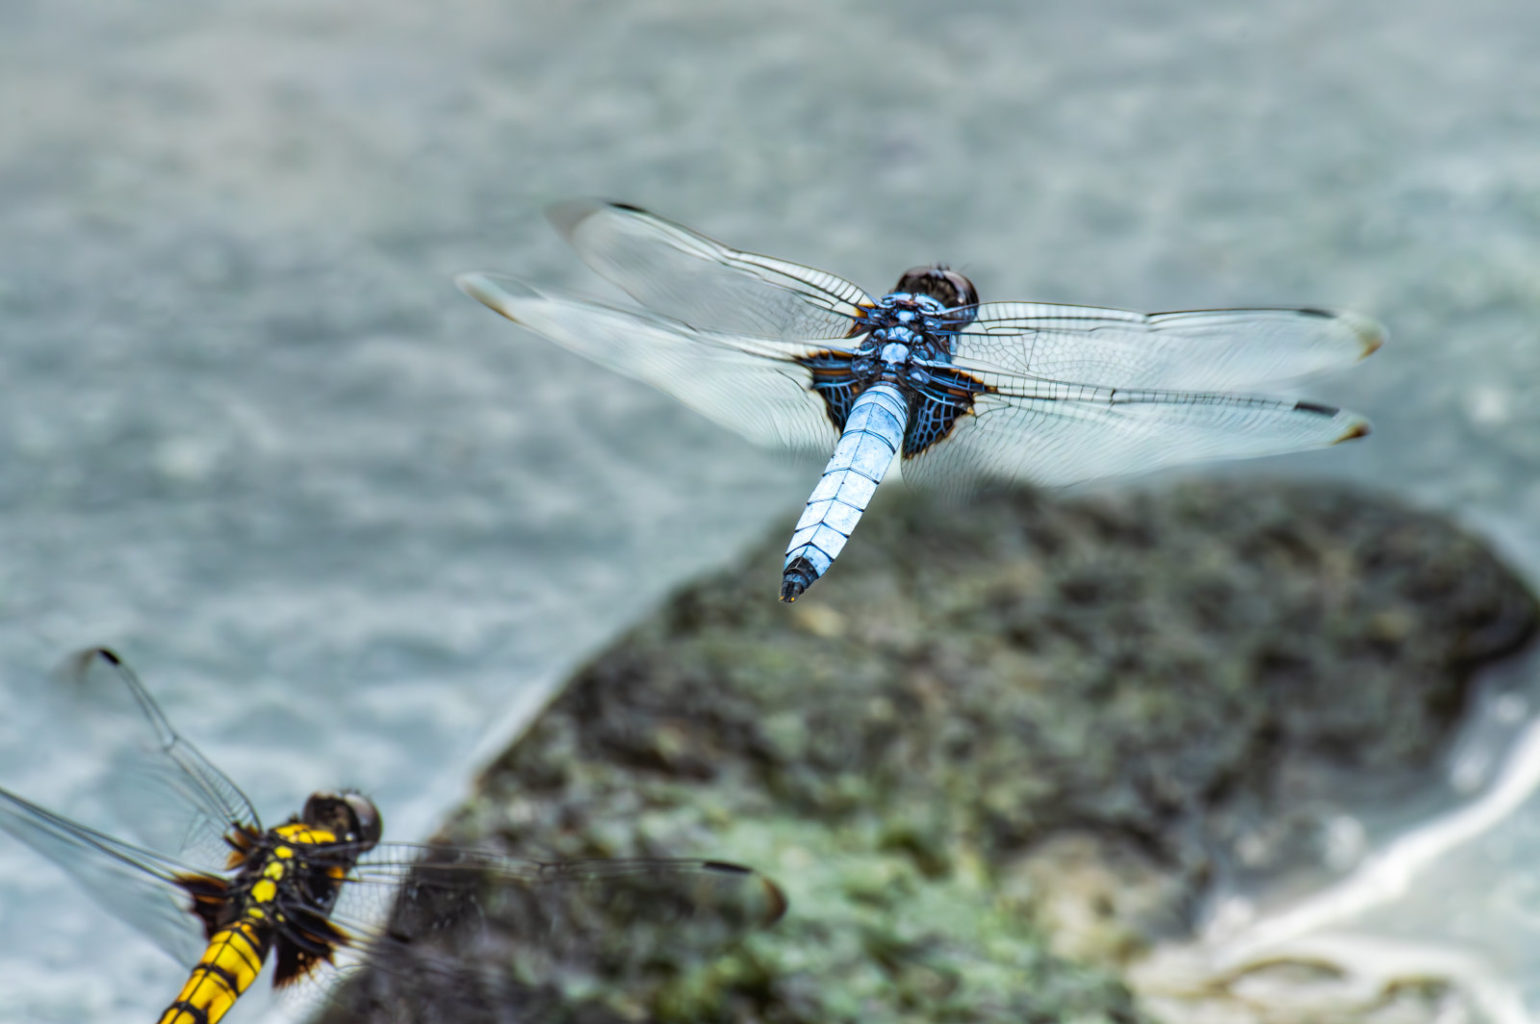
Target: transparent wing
x: 687, y: 276
x: 1209, y: 349
x: 138, y: 886
x: 1048, y: 432
x: 164, y: 789
x: 428, y: 927
x: 754, y: 386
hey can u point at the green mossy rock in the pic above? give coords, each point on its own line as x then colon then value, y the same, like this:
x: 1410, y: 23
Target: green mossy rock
x: 991, y: 757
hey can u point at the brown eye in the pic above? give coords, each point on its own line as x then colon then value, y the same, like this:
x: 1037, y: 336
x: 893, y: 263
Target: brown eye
x: 963, y: 288
x: 351, y: 816
x: 370, y: 826
x: 320, y: 811
x: 947, y: 287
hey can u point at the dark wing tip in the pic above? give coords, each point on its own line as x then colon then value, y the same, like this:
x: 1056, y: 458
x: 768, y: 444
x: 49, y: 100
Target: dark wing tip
x: 1357, y: 426
x: 77, y: 665
x: 497, y: 292
x: 775, y: 896
x: 1369, y: 332
x: 777, y: 901
x: 727, y: 867
x: 1356, y: 430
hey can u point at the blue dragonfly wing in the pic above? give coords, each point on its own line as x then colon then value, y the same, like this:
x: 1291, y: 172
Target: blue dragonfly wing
x: 761, y: 388
x: 686, y: 276
x: 411, y: 913
x: 1211, y: 349
x: 136, y: 885
x: 171, y: 797
x: 1055, y: 433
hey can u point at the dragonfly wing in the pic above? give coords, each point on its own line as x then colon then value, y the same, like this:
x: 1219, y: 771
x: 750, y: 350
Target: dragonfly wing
x: 167, y: 792
x: 416, y: 915
x: 138, y: 886
x: 581, y: 907
x: 1047, y: 432
x: 1209, y: 349
x: 756, y: 387
x: 681, y: 274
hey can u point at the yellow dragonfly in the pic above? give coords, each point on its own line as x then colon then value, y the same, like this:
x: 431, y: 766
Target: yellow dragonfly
x: 321, y: 896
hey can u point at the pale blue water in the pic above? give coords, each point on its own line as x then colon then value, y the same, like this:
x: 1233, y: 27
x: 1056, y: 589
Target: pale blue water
x: 332, y: 509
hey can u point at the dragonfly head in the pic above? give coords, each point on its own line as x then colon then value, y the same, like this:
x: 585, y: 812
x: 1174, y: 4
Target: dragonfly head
x: 946, y: 286
x: 351, y: 817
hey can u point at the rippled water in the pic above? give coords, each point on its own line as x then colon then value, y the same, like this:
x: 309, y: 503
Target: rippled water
x: 335, y: 512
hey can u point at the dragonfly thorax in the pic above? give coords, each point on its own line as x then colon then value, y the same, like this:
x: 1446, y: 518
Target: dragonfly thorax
x: 895, y: 354
x: 922, y: 314
x: 917, y: 321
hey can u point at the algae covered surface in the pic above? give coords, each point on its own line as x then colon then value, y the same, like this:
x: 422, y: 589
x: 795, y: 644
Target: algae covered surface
x: 997, y: 753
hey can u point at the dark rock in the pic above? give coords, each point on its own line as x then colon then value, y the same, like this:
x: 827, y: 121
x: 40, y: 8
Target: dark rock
x: 994, y: 754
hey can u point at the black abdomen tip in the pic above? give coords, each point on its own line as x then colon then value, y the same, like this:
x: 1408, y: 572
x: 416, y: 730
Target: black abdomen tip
x: 796, y: 578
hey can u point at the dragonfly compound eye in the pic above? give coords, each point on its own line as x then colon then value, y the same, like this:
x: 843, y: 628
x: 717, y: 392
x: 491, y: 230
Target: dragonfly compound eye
x: 352, y: 817
x: 947, y: 287
x: 370, y: 826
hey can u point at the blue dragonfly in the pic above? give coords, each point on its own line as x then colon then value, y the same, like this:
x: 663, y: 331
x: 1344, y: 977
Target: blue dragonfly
x: 960, y: 392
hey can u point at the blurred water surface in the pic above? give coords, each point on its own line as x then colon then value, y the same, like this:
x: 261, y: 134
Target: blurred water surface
x: 336, y: 512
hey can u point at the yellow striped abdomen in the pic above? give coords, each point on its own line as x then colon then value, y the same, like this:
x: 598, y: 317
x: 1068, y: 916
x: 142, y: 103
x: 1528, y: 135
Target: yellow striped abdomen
x: 236, y: 951
x: 227, y: 968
